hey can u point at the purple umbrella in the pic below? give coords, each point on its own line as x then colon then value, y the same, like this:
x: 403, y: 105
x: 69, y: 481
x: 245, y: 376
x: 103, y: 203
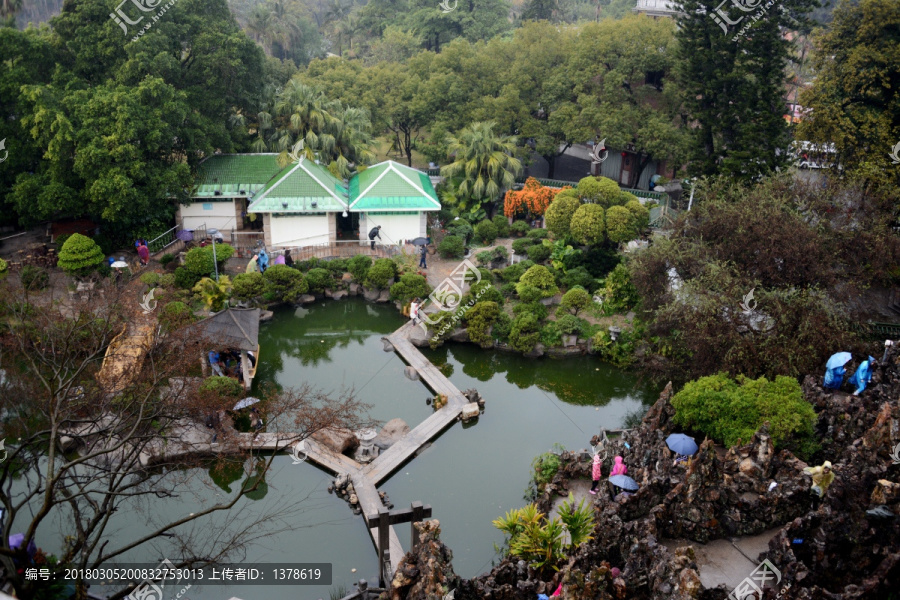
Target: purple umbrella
x: 16, y: 539
x: 185, y: 235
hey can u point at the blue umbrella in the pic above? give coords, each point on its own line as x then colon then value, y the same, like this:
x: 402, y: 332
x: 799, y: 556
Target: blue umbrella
x: 838, y: 360
x: 624, y: 481
x: 681, y: 444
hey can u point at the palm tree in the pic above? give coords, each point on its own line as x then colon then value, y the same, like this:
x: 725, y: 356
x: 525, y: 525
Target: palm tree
x: 483, y: 168
x: 9, y: 8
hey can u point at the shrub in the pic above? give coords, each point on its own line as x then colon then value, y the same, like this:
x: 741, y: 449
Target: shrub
x: 486, y: 231
x: 537, y: 309
x: 731, y: 411
x: 640, y: 212
x: 521, y: 246
x: 460, y: 228
x: 80, y: 255
x: 222, y: 388
x: 551, y: 336
x: 528, y: 293
x: 222, y: 251
x: 525, y: 333
x: 479, y: 320
x: 621, y: 224
x: 382, y: 271
x: 483, y: 291
x: 452, y: 247
x: 508, y: 290
x: 538, y: 234
x: 167, y: 280
x: 588, y: 224
x: 175, y: 315
x: 34, y: 278
x: 619, y: 352
x: 213, y: 293
x: 501, y: 328
x: 485, y: 257
x: 500, y: 253
x: 539, y: 253
x: 599, y: 190
x: 574, y: 301
x: 520, y: 228
x: 315, y: 263
x: 166, y: 259
x: 319, y: 279
x: 512, y: 273
x: 246, y: 287
x: 184, y: 279
x: 571, y: 325
x: 502, y: 225
x: 336, y: 265
x: 600, y: 261
x: 526, y: 264
x: 61, y: 239
x: 539, y: 277
x: 411, y: 285
x: 199, y: 262
x: 618, y: 292
x: 359, y: 267
x: 150, y: 278
x: 579, y: 277
x: 4, y: 266
x: 559, y: 214
x: 284, y: 283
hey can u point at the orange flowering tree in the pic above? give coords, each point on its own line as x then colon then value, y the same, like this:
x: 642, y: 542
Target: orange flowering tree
x: 534, y: 198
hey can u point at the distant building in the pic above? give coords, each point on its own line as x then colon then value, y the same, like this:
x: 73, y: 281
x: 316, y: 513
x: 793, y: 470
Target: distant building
x: 656, y: 8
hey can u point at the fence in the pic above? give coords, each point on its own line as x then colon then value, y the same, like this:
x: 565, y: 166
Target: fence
x: 173, y: 236
x: 339, y: 249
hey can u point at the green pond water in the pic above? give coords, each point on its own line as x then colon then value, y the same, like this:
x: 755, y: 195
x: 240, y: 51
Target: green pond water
x: 470, y: 475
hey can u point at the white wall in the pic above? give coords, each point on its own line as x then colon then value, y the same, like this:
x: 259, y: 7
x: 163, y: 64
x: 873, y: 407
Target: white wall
x: 300, y: 230
x: 395, y: 228
x: 216, y: 215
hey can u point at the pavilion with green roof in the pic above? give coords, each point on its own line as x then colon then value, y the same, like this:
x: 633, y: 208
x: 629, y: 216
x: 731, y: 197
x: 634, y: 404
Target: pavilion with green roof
x: 304, y: 204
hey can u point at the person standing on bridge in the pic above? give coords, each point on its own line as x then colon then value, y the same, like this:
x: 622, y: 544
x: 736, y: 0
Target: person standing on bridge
x: 376, y: 232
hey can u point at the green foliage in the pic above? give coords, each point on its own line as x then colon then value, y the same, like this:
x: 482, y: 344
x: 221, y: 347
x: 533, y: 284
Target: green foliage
x: 545, y: 467
x: 486, y: 231
x: 246, y: 287
x: 528, y: 293
x: 508, y: 290
x: 551, y: 336
x: 537, y: 309
x: 483, y: 291
x: 579, y: 521
x: 166, y: 258
x: 640, y: 212
x: 283, y: 283
x: 150, y: 278
x: 525, y: 333
x: 579, y: 277
x: 500, y: 253
x: 411, y: 285
x: 461, y: 229
x: 521, y: 246
x: 175, y: 315
x: 184, y: 279
x: 599, y: 190
x: 539, y: 253
x: 538, y: 234
x: 4, y: 266
x: 618, y: 293
x: 320, y: 279
x: 382, y: 271
x: 213, y: 294
x: 452, y: 247
x: 359, y: 267
x: 485, y: 257
x: 619, y: 353
x: 502, y: 327
x: 167, y: 280
x: 559, y: 214
x: 730, y: 411
x: 337, y: 265
x: 317, y: 263
x: 512, y: 273
x: 34, y: 278
x: 479, y: 320
x: 520, y: 227
x: 80, y: 255
x: 571, y: 325
x: 502, y: 225
x: 222, y: 388
x: 199, y: 262
x: 588, y: 224
x: 621, y: 224
x: 574, y: 301
x: 539, y: 277
x: 61, y: 239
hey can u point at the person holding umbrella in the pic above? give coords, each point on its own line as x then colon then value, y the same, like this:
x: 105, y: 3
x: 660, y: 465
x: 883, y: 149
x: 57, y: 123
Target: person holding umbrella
x: 423, y: 252
x: 834, y: 370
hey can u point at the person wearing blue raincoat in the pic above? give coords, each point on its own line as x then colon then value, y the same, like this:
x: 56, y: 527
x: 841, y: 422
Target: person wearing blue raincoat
x: 263, y: 260
x: 835, y: 377
x: 862, y: 376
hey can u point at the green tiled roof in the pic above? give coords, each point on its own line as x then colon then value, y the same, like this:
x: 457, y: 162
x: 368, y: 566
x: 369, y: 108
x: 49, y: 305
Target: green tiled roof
x: 390, y: 186
x: 232, y: 174
x: 297, y: 186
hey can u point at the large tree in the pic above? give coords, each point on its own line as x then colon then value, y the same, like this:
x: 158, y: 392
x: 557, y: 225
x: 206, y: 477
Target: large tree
x: 484, y: 166
x: 78, y: 441
x: 126, y: 116
x: 732, y: 71
x: 854, y: 101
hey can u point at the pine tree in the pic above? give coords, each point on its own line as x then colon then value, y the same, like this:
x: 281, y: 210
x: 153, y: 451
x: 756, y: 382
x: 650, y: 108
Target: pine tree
x: 732, y: 62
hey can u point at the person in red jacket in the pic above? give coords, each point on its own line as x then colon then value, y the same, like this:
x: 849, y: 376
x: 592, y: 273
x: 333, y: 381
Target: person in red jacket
x: 144, y: 253
x: 596, y: 473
